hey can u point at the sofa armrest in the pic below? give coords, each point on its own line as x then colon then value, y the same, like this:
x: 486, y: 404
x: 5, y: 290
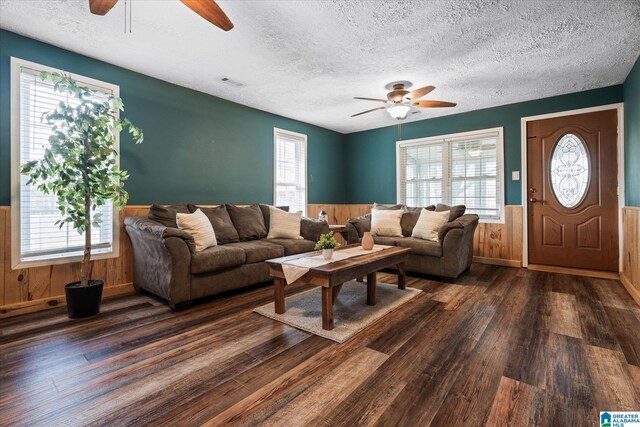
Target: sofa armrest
x: 465, y: 221
x: 311, y: 229
x: 158, y: 230
x: 161, y: 259
x: 356, y: 227
x: 457, y: 245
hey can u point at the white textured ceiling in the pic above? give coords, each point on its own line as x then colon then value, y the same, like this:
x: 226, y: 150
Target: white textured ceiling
x: 308, y: 59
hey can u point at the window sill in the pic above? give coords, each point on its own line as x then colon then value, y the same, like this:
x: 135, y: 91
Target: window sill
x: 58, y: 260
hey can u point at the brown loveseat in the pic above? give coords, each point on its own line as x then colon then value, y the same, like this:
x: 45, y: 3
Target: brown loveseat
x: 447, y: 258
x: 166, y: 264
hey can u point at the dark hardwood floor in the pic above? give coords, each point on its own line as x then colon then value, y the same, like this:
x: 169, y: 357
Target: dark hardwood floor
x: 502, y: 346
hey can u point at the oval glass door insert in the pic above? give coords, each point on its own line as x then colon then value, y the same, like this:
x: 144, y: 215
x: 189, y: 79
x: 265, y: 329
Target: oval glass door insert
x: 569, y: 170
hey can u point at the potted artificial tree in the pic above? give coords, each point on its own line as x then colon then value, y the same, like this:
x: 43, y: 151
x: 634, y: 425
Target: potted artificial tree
x: 80, y: 168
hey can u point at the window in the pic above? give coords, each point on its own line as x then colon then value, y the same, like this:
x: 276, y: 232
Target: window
x: 460, y: 169
x: 290, y: 170
x: 36, y: 240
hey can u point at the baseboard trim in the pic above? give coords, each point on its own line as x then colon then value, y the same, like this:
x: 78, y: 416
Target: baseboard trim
x: 575, y: 271
x: 498, y: 261
x: 633, y: 291
x: 48, y: 303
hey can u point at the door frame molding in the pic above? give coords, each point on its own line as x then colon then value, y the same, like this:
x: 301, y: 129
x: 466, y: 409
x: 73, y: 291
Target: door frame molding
x: 619, y: 107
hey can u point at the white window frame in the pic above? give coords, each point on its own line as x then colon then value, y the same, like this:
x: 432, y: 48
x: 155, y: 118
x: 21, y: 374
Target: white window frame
x: 303, y: 139
x: 16, y: 238
x: 461, y: 136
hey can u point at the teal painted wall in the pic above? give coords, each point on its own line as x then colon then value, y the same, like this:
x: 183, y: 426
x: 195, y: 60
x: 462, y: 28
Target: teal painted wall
x: 371, y: 175
x: 197, y: 147
x: 632, y: 136
x: 204, y: 149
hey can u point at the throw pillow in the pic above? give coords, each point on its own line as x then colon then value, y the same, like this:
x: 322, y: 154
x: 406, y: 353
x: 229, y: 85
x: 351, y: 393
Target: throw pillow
x: 429, y: 224
x: 197, y: 224
x: 386, y: 222
x: 166, y: 214
x: 248, y: 221
x: 455, y: 212
x: 410, y: 218
x: 284, y: 225
x: 265, y: 213
x: 221, y: 222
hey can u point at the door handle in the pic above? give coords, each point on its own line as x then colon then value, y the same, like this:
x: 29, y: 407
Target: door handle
x: 533, y: 200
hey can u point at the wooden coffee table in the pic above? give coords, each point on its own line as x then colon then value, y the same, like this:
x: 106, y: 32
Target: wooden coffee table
x: 332, y: 276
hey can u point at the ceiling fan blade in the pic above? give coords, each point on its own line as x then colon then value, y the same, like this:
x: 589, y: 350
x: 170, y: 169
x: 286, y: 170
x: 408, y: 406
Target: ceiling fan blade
x: 418, y: 93
x: 210, y: 11
x: 433, y: 104
x: 101, y: 7
x: 368, y: 111
x: 371, y: 99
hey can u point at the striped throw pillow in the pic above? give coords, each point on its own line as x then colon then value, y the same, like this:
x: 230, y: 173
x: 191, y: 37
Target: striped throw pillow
x: 284, y: 225
x: 386, y: 222
x: 198, y: 225
x: 429, y: 224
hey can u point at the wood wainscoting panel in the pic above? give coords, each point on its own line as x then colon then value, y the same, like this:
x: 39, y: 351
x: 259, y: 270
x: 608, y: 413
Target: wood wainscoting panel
x: 338, y: 214
x: 500, y: 244
x: 630, y: 276
x: 38, y: 288
x: 26, y: 290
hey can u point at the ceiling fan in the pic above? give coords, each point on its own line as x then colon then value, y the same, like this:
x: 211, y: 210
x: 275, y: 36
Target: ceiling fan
x: 400, y: 101
x: 208, y: 9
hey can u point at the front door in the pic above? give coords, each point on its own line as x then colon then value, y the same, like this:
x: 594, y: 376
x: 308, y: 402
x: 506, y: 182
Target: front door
x: 572, y: 194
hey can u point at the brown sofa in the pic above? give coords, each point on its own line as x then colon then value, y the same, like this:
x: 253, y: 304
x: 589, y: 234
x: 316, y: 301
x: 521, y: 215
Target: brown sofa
x: 166, y: 264
x: 447, y: 258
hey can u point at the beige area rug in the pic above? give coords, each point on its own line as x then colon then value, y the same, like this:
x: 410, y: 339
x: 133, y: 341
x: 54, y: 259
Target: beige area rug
x: 350, y: 311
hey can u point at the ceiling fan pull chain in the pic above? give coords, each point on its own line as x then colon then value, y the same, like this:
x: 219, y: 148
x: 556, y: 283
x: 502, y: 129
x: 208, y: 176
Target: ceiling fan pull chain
x: 130, y: 9
x: 125, y: 16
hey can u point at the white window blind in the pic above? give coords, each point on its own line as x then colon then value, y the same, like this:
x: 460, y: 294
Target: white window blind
x: 290, y: 170
x: 461, y: 169
x: 40, y: 240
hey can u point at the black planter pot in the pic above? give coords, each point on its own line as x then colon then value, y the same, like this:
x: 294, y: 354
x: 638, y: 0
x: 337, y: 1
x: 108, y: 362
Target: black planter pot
x: 83, y: 301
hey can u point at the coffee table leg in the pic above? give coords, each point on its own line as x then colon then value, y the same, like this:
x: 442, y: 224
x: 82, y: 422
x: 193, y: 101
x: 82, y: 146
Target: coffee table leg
x: 371, y: 289
x: 279, y: 295
x: 402, y: 275
x: 327, y: 308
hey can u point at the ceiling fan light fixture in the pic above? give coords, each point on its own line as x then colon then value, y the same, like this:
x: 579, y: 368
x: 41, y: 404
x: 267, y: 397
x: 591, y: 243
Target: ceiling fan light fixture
x: 398, y: 111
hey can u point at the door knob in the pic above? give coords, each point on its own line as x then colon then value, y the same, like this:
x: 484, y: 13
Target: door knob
x: 533, y: 200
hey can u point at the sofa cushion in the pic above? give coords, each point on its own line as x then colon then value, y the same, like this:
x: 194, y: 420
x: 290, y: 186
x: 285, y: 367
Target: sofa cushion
x: 294, y: 246
x: 410, y: 218
x: 258, y: 250
x: 361, y: 223
x: 311, y: 229
x: 166, y: 214
x: 421, y: 247
x: 455, y: 211
x: 266, y: 214
x: 217, y: 258
x: 248, y: 222
x: 221, y: 222
x: 385, y: 240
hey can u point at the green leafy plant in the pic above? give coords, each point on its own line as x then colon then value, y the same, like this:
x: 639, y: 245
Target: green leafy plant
x: 327, y: 241
x: 80, y: 165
